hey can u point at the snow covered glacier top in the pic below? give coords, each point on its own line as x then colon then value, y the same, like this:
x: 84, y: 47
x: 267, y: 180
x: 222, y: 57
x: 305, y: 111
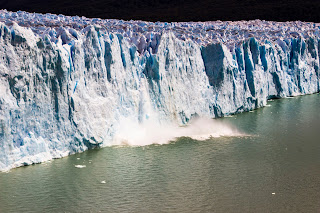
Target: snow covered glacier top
x: 146, y: 34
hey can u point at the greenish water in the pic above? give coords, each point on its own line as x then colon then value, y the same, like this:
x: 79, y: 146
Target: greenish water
x: 227, y: 174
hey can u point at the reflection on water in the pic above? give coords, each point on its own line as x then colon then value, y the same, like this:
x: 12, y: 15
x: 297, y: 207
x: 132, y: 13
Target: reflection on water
x: 277, y: 169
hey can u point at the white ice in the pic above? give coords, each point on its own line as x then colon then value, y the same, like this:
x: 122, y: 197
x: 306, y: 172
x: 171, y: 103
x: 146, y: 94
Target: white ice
x: 72, y: 83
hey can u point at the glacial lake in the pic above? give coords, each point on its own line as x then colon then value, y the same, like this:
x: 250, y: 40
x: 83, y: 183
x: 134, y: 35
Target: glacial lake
x: 276, y: 168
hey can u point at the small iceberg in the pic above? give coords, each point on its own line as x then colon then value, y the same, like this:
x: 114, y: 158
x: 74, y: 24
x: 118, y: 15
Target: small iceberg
x: 80, y: 166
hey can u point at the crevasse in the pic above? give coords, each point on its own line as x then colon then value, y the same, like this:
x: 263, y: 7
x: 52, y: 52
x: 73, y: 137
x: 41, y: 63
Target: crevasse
x: 68, y: 83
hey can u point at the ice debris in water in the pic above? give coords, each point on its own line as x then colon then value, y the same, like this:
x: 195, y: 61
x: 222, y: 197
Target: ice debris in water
x: 71, y: 83
x: 80, y: 166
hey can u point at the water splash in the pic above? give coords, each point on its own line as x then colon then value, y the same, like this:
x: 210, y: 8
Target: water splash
x: 133, y: 134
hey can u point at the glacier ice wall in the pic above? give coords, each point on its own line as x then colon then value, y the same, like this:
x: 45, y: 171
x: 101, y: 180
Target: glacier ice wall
x: 68, y: 83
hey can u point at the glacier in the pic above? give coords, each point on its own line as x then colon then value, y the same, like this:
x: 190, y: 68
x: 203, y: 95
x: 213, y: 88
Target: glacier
x: 68, y: 84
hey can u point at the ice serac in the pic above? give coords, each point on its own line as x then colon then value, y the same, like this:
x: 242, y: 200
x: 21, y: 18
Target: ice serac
x: 69, y: 83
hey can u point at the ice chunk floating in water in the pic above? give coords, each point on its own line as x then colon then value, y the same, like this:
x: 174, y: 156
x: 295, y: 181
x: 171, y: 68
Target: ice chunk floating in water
x: 80, y: 166
x: 72, y: 83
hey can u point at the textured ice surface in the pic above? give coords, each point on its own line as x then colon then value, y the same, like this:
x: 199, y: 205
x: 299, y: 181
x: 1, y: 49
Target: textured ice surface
x: 71, y: 83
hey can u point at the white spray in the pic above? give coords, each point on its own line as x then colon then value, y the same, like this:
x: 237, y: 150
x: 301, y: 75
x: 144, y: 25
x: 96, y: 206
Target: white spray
x: 150, y: 132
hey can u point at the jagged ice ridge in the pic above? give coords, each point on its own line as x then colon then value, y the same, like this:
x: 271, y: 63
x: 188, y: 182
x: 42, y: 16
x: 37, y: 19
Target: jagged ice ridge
x: 68, y: 83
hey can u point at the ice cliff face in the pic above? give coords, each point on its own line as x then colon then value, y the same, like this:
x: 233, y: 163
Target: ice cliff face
x: 68, y: 83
